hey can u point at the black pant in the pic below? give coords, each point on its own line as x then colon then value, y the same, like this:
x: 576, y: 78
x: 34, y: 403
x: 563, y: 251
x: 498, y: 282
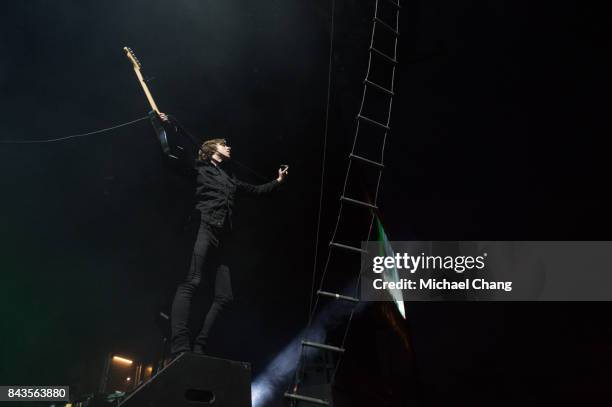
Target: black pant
x: 207, y: 263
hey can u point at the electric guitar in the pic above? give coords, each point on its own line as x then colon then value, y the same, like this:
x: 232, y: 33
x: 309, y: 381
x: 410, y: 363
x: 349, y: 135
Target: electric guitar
x: 163, y: 131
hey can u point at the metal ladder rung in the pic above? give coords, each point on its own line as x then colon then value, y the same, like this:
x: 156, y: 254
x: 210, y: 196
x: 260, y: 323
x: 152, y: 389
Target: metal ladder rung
x: 395, y: 3
x: 307, y: 399
x: 382, y: 54
x: 374, y: 122
x: 322, y: 346
x: 387, y: 26
x: 365, y: 160
x: 357, y: 202
x: 379, y: 87
x: 346, y: 247
x: 337, y: 296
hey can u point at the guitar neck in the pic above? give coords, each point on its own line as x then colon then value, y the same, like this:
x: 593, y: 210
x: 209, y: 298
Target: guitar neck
x: 146, y: 90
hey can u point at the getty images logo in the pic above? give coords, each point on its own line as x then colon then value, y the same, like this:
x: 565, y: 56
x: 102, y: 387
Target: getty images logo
x: 405, y: 261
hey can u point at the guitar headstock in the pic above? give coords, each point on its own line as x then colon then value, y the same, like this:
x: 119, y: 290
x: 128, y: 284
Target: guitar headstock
x: 130, y: 54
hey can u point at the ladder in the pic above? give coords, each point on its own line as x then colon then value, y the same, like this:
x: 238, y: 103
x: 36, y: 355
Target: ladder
x: 364, y: 172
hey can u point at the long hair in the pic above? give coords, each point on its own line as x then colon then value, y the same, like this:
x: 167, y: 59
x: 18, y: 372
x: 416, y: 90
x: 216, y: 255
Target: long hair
x: 209, y: 147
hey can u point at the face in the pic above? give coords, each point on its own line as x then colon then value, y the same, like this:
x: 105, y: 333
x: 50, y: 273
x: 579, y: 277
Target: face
x: 224, y: 150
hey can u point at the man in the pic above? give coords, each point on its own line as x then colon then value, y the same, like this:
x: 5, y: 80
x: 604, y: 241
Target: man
x: 215, y: 200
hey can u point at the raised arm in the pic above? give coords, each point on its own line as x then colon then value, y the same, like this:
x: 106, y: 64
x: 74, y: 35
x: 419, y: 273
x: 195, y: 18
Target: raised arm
x: 283, y: 172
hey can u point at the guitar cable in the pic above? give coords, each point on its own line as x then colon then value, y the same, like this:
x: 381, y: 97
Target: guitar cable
x: 91, y: 133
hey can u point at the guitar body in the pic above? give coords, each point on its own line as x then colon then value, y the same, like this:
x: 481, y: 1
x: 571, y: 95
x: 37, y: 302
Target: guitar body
x: 166, y: 137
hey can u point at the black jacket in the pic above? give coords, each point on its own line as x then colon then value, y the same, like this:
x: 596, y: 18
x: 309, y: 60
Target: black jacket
x: 216, y: 190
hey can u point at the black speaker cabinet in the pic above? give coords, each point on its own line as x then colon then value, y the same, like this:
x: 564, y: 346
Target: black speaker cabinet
x: 193, y: 380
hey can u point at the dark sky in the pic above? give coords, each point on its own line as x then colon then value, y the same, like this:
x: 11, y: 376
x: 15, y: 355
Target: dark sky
x: 499, y: 132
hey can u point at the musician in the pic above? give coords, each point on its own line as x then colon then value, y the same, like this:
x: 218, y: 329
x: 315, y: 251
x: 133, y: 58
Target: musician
x: 215, y: 193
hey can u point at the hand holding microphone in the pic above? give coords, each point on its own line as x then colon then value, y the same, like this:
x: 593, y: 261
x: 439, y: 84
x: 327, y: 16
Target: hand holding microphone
x: 283, y: 172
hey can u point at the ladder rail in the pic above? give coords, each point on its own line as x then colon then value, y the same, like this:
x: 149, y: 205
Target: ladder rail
x: 372, y: 50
